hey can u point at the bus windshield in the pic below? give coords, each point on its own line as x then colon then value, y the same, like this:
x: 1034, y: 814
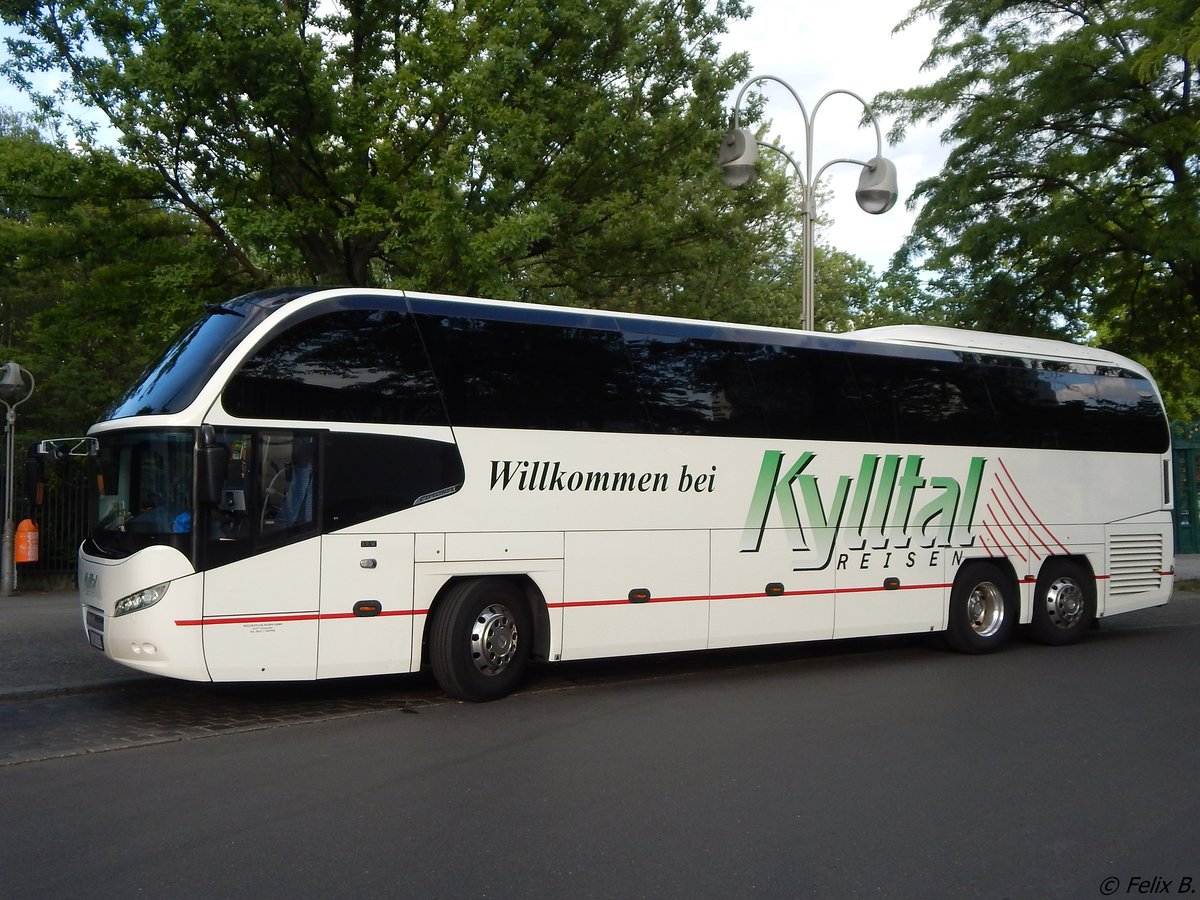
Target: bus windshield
x: 144, y: 492
x: 171, y: 383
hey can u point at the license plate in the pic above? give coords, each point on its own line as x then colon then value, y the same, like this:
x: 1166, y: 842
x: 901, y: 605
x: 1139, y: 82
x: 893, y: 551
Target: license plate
x: 96, y: 639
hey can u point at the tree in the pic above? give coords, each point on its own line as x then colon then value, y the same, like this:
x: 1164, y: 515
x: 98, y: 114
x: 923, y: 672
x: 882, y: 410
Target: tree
x: 96, y: 275
x: 851, y: 296
x: 1068, y: 204
x: 518, y: 149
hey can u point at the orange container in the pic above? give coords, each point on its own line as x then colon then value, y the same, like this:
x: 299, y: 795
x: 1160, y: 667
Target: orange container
x: 25, y: 547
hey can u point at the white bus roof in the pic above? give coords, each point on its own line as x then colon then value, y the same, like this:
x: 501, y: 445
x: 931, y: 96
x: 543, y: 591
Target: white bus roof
x: 962, y: 339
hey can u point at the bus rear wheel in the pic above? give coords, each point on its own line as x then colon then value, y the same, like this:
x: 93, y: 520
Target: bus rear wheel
x: 1064, y: 603
x: 983, y: 608
x: 479, y: 639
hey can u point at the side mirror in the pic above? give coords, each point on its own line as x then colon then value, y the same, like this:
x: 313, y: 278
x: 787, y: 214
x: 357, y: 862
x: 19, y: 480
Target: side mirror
x: 61, y: 448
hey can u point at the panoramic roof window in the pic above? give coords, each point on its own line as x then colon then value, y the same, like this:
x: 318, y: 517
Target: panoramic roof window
x: 355, y: 365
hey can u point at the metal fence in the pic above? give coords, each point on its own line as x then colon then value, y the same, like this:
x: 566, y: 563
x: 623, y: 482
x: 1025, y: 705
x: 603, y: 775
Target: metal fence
x: 61, y: 520
x: 1186, y: 445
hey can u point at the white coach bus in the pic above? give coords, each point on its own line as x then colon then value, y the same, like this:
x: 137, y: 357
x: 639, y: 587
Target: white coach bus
x: 325, y: 483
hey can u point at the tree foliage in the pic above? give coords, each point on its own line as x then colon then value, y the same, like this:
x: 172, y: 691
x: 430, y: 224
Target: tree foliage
x: 96, y: 275
x: 547, y: 151
x: 518, y: 149
x: 1068, y: 204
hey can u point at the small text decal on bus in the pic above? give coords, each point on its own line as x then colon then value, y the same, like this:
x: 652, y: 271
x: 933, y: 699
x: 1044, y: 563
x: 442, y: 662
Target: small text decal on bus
x: 888, y: 504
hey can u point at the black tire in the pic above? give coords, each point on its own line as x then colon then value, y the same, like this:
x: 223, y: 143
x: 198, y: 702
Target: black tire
x: 983, y: 608
x: 1064, y: 603
x: 479, y: 639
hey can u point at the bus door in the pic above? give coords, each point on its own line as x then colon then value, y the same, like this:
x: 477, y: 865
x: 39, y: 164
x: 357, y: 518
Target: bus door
x: 260, y: 616
x: 262, y: 560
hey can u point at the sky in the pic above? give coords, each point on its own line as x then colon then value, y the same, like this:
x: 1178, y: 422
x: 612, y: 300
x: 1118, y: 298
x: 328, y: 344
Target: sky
x: 818, y: 47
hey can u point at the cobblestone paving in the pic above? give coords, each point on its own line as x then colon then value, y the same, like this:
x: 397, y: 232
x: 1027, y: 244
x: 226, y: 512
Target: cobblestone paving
x: 140, y: 714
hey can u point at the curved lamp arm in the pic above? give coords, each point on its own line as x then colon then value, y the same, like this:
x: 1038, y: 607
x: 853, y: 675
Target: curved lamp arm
x: 877, y: 185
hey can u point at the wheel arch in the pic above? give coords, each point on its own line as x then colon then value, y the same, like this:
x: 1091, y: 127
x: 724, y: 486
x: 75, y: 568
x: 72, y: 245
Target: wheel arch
x: 1006, y: 566
x: 1080, y: 559
x: 535, y: 603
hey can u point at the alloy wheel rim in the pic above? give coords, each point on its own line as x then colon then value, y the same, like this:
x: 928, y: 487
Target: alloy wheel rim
x: 985, y: 609
x: 1065, y: 602
x: 494, y: 639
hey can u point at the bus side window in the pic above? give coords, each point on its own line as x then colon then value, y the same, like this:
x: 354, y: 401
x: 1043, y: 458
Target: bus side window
x: 269, y: 493
x: 288, y: 480
x: 229, y: 516
x: 357, y: 365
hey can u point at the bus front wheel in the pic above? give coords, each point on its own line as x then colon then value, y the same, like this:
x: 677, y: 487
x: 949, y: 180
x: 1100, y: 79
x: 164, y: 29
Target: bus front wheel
x: 479, y: 639
x: 1064, y: 603
x: 983, y: 609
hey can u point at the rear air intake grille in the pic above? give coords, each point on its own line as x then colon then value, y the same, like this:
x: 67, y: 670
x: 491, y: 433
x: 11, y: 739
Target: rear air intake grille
x: 1135, y: 563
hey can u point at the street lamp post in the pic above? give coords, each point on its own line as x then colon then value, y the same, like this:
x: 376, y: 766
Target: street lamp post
x: 877, y: 190
x: 13, y: 392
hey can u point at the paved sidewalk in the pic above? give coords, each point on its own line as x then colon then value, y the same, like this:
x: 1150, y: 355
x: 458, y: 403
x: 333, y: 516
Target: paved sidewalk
x: 43, y: 648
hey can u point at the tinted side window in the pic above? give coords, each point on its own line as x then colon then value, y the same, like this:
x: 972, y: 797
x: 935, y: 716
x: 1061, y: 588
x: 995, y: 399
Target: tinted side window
x: 371, y: 475
x: 805, y: 393
x: 1061, y: 406
x: 1038, y: 409
x: 270, y: 493
x: 923, y: 401
x: 347, y: 366
x: 522, y: 375
x: 1133, y: 419
x: 695, y: 386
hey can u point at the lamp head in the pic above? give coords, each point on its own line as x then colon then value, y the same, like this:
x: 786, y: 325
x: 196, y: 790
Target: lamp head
x: 877, y: 189
x: 13, y: 388
x: 738, y: 154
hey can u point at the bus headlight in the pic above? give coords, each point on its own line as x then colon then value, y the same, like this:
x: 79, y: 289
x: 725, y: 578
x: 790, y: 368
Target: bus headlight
x: 143, y: 599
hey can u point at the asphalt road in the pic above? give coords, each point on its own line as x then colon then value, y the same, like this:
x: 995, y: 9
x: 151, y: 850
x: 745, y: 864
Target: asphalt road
x: 882, y: 767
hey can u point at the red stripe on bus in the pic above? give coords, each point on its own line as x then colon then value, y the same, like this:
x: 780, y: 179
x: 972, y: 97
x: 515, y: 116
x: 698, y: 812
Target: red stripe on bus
x: 298, y: 617
x: 758, y: 595
x: 582, y: 604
